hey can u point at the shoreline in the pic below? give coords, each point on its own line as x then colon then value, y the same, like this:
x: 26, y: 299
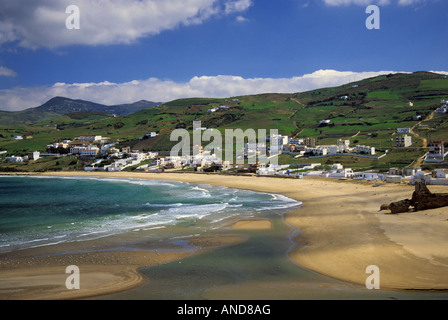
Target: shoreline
x: 342, y: 230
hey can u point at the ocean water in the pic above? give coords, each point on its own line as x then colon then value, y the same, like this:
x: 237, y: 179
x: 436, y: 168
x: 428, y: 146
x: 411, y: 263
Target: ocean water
x: 42, y: 211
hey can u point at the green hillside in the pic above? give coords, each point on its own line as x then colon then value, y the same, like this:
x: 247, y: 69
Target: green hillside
x: 365, y: 112
x: 59, y: 106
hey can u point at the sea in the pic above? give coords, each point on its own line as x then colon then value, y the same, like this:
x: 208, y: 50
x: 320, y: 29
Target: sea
x: 37, y: 211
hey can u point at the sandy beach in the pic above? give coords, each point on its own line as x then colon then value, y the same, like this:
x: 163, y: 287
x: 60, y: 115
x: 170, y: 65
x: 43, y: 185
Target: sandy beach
x: 342, y: 232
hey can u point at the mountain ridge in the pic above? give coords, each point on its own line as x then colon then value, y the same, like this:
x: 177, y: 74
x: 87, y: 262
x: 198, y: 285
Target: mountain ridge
x: 58, y: 106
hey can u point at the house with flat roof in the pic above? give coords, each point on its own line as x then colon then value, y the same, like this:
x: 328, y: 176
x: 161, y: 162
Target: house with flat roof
x: 404, y: 130
x: 365, y: 150
x: 403, y: 141
x: 436, y: 152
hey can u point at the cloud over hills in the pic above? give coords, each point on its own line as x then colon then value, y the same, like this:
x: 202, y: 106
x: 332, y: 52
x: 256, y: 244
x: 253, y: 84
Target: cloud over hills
x: 155, y: 89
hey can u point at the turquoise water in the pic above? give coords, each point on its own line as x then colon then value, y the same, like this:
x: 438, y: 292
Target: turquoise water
x: 41, y: 211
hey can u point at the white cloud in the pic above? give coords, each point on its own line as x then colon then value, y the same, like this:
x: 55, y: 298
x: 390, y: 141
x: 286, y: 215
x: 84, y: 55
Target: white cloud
x: 237, y: 6
x: 154, y: 89
x: 34, y: 24
x: 241, y: 19
x: 410, y: 2
x: 369, y: 2
x: 356, y: 2
x: 5, y: 72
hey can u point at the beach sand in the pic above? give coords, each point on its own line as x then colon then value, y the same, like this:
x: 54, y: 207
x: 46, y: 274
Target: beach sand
x: 342, y: 233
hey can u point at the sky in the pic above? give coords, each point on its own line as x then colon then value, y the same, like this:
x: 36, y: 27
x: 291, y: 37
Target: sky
x: 160, y: 50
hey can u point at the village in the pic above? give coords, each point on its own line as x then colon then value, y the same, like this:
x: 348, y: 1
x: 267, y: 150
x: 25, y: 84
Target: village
x: 102, y: 154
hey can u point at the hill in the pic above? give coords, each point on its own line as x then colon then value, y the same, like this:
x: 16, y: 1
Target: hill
x: 58, y: 106
x: 366, y: 112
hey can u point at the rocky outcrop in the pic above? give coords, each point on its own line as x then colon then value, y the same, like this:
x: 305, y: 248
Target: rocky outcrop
x: 422, y: 199
x: 400, y: 206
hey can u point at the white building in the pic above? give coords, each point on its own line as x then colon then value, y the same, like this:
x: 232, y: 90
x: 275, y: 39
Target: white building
x: 365, y: 150
x: 85, y: 151
x: 91, y: 151
x: 331, y: 149
x: 15, y: 159
x: 342, y: 173
x: 344, y: 145
x: 90, y: 138
x: 316, y: 151
x: 152, y: 134
x: 442, y: 110
x: 254, y: 148
x: 56, y: 145
x: 34, y: 155
x: 18, y: 138
x: 369, y: 176
x: 436, y: 151
x: 281, y: 140
x: 403, y: 141
x: 213, y: 109
x: 441, y: 173
x: 404, y: 130
x: 440, y: 179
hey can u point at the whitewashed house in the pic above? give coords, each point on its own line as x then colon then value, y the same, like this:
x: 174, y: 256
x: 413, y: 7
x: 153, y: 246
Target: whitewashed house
x: 342, y: 173
x: 442, y: 110
x: 404, y: 130
x: 90, y: 151
x: 90, y: 138
x: 369, y: 176
x: 33, y: 155
x: 365, y: 150
x: 152, y: 134
x: 403, y: 141
x: 441, y: 173
x: 15, y: 159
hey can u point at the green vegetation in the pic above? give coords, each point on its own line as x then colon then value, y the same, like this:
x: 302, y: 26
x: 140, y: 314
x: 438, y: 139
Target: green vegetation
x: 366, y: 112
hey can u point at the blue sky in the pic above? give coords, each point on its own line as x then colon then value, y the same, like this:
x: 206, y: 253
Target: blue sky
x: 128, y: 50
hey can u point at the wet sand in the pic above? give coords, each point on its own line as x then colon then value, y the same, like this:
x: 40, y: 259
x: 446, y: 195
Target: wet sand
x: 342, y: 232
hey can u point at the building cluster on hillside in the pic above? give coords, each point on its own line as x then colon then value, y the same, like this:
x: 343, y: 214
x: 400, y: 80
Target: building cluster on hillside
x: 31, y: 156
x: 102, y: 153
x: 202, y: 161
x: 443, y: 109
x: 341, y: 147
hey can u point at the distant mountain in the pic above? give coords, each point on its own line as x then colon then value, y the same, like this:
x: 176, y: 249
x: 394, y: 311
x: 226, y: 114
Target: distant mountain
x: 58, y: 106
x: 127, y: 109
